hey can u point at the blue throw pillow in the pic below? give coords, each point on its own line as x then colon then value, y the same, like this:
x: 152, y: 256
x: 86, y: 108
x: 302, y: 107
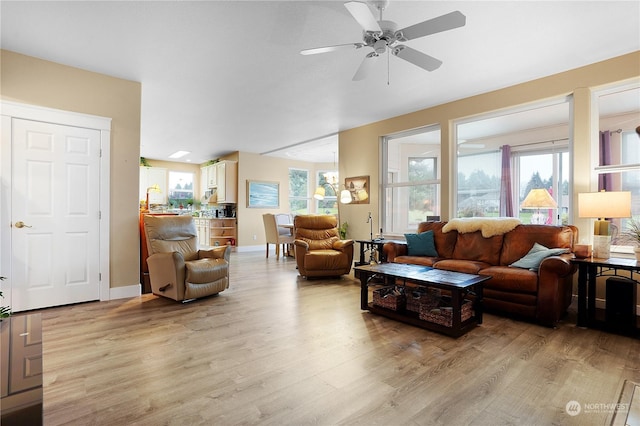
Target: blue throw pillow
x: 421, y: 244
x: 536, y: 255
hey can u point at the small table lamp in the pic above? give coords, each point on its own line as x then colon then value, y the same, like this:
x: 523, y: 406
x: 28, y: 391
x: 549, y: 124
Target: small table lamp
x: 602, y: 205
x: 539, y: 198
x: 152, y: 188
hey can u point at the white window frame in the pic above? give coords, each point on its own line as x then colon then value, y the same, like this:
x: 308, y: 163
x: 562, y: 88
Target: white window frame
x: 389, y: 184
x: 306, y: 197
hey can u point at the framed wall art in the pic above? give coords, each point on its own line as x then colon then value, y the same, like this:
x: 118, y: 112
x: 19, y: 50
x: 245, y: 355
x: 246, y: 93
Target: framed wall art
x: 359, y: 188
x: 263, y: 195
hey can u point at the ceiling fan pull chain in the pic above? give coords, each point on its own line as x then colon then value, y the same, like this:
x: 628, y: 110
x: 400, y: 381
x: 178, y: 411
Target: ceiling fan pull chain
x: 388, y: 67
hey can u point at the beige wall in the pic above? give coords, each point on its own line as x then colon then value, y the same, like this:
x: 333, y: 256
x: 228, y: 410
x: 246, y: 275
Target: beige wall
x: 359, y: 148
x: 33, y: 81
x: 272, y: 169
x: 253, y: 167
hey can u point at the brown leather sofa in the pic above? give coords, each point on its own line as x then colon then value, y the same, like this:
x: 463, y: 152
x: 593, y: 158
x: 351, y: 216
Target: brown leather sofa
x: 543, y: 295
x: 319, y: 250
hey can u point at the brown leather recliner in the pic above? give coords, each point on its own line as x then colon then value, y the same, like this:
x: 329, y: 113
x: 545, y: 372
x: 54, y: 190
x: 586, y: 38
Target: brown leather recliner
x: 177, y: 269
x: 319, y: 250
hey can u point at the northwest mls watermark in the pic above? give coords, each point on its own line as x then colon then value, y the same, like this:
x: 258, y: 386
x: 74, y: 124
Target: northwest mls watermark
x: 574, y: 408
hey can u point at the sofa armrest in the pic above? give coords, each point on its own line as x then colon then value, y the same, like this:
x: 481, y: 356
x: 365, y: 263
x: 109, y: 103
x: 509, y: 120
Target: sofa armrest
x: 221, y: 252
x: 167, y: 273
x: 342, y: 244
x: 554, y: 288
x: 391, y: 250
x: 302, y: 244
x: 557, y: 265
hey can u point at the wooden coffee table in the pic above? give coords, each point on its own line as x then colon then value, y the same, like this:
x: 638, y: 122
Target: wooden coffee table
x: 457, y: 284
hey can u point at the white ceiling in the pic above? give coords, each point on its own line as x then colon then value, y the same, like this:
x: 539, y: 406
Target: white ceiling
x: 219, y: 77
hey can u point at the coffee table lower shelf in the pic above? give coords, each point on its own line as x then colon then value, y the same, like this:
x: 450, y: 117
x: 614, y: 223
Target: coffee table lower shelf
x: 412, y: 318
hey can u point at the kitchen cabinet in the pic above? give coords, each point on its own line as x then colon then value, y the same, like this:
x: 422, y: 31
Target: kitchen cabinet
x: 203, y: 181
x: 210, y: 175
x: 227, y: 182
x: 150, y: 176
x: 202, y: 226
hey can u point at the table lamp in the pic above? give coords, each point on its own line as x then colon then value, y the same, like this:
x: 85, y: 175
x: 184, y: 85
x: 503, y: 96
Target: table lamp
x: 152, y: 188
x: 603, y: 205
x: 539, y: 198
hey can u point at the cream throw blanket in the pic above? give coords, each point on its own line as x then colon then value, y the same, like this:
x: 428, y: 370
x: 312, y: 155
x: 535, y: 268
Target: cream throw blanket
x: 489, y: 226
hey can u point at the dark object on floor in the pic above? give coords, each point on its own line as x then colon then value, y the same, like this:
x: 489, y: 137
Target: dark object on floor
x: 620, y: 311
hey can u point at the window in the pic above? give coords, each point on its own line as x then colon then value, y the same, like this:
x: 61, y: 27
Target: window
x: 504, y: 155
x: 619, y: 110
x: 180, y: 189
x: 411, y: 187
x: 327, y: 179
x: 549, y: 170
x: 298, y: 191
x: 479, y: 184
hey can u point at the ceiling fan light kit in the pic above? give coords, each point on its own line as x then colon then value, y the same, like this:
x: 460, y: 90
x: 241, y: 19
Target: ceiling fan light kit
x: 382, y: 36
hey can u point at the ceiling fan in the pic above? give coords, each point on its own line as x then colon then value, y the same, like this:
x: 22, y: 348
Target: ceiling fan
x: 384, y: 36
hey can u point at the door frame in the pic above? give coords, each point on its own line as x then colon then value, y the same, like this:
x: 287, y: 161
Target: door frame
x: 11, y: 110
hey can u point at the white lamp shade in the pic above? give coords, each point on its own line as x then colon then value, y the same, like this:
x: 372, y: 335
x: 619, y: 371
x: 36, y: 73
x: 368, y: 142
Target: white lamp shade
x: 345, y: 196
x: 604, y: 204
x: 539, y: 198
x: 319, y: 194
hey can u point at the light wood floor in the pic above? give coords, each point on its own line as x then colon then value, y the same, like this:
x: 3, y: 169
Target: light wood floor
x: 276, y: 349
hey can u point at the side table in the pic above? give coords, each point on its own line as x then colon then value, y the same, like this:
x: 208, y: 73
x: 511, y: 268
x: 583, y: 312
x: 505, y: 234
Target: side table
x: 590, y: 268
x: 374, y: 247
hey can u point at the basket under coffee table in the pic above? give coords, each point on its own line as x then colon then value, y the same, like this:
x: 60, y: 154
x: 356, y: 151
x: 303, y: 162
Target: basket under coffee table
x: 464, y: 300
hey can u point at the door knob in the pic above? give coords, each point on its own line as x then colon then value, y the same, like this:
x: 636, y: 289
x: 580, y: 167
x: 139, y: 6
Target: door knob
x: 20, y: 224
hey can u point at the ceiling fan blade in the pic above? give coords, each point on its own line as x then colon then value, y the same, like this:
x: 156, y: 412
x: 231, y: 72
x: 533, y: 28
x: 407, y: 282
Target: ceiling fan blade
x: 365, y: 66
x: 417, y: 58
x: 325, y: 49
x: 364, y: 16
x: 441, y: 23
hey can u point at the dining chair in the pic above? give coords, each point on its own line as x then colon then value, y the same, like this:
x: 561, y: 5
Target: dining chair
x: 276, y: 235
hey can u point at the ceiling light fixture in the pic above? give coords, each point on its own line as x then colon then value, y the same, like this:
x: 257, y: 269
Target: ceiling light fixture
x: 179, y: 154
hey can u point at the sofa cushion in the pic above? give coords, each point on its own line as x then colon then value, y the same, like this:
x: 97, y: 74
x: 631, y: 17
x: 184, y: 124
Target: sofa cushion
x: 513, y: 280
x: 445, y: 241
x: 457, y: 265
x: 421, y: 244
x: 206, y: 270
x: 473, y: 246
x: 519, y: 241
x: 536, y: 255
x: 416, y: 260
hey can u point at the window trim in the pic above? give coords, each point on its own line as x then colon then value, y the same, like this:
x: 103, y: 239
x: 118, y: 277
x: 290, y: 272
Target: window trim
x: 385, y: 172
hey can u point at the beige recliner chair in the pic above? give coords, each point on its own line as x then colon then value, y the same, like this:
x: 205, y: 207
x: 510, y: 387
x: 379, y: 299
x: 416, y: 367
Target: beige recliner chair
x: 177, y: 269
x: 319, y: 250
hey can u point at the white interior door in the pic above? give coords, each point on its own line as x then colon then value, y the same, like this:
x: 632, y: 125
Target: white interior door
x: 55, y: 217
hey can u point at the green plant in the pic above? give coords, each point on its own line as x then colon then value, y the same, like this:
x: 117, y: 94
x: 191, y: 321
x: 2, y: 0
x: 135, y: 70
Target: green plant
x: 632, y: 233
x: 5, y: 311
x: 144, y: 162
x: 342, y: 229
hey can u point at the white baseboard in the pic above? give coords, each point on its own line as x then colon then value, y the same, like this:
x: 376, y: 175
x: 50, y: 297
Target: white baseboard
x: 243, y: 249
x: 125, y: 292
x: 601, y: 304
